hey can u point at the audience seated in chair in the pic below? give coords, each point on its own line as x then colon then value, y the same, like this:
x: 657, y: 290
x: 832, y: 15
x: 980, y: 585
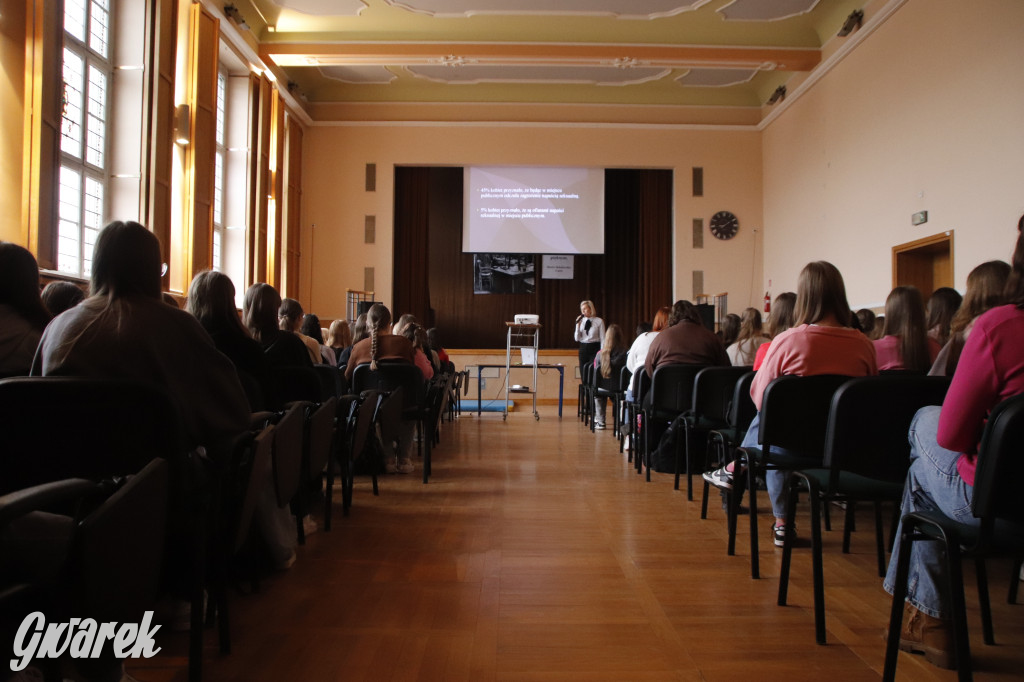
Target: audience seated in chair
x: 339, y: 339
x: 311, y: 327
x: 780, y: 319
x: 422, y: 357
x: 942, y: 306
x: 943, y: 451
x: 59, y: 296
x: 821, y: 343
x: 607, y: 365
x: 22, y: 314
x: 905, y: 344
x: 742, y: 352
x: 260, y: 316
x: 986, y: 285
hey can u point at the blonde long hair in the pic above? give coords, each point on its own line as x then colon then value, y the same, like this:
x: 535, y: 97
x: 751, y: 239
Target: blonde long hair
x: 378, y: 320
x: 613, y: 342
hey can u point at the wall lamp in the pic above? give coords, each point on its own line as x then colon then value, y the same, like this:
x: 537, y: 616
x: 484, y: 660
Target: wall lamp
x: 778, y: 95
x: 232, y: 13
x: 182, y: 114
x: 852, y: 23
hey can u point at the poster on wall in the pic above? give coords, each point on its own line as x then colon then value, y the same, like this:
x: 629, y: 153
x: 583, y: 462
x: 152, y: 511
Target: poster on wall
x: 557, y: 267
x: 503, y: 273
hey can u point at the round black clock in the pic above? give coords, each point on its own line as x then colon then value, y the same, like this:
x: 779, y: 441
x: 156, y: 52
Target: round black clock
x: 724, y: 225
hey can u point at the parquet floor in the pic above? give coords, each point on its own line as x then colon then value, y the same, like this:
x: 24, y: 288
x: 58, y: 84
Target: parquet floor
x: 536, y: 553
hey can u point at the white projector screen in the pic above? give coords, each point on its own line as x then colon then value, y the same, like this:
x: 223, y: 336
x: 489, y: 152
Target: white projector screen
x: 524, y: 209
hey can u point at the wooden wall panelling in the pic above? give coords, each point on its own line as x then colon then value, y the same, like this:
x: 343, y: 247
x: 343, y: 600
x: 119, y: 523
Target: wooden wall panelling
x: 261, y: 156
x: 275, y: 241
x: 44, y: 40
x: 158, y: 124
x: 293, y: 224
x: 252, y: 201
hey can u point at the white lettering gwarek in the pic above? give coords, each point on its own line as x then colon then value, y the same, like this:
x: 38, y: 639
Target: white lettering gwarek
x: 82, y: 638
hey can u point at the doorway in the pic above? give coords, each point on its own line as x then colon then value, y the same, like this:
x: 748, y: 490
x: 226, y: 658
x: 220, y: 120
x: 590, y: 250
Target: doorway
x: 924, y: 263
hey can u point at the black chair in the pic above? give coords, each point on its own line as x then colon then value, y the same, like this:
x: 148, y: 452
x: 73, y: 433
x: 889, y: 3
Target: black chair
x: 318, y: 445
x: 999, y: 533
x: 332, y: 381
x: 713, y: 390
x: 671, y: 395
x: 362, y: 423
x: 88, y: 575
x: 344, y: 422
x: 612, y: 389
x: 641, y: 385
x: 585, y: 408
x: 867, y: 455
x: 794, y: 416
x: 289, y: 449
x: 723, y: 441
x: 625, y: 382
x: 392, y: 375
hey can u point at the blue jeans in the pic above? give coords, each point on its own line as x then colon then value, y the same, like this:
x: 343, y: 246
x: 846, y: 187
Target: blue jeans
x: 774, y: 478
x: 933, y: 484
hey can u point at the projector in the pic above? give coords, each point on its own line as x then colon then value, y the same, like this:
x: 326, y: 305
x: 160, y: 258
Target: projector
x: 527, y: 319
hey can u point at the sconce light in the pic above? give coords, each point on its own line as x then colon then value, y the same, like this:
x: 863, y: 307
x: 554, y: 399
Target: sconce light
x: 778, y: 95
x: 852, y: 23
x: 232, y: 13
x: 181, y: 124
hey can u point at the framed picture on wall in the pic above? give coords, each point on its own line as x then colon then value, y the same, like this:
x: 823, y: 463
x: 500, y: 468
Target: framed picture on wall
x: 504, y: 273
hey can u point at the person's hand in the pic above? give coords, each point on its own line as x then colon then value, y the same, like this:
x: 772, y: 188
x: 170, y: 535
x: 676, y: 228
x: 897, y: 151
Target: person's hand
x: 578, y: 318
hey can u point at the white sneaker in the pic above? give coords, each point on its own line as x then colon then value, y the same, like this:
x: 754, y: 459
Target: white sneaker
x: 599, y: 426
x: 406, y: 466
x: 309, y: 525
x: 625, y: 443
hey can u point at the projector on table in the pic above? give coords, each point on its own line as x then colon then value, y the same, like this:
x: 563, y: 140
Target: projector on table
x: 527, y: 319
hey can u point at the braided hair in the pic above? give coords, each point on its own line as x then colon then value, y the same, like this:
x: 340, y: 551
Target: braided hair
x: 378, y: 319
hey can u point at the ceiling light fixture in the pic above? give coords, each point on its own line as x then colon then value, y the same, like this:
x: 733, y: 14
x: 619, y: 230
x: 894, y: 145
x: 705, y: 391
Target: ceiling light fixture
x: 852, y: 23
x: 778, y: 95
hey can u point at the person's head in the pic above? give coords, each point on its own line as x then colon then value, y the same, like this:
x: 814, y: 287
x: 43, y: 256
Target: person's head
x: 820, y: 294
x: 126, y: 261
x: 434, y: 338
x: 211, y: 300
x: 289, y: 315
x: 612, y: 343
x: 661, y: 318
x: 311, y: 327
x: 339, y: 334
x: 942, y: 306
x: 783, y: 313
x: 866, y: 319
x: 730, y: 328
x: 587, y: 309
x: 19, y: 284
x: 750, y: 324
x: 644, y: 327
x: 61, y: 296
x: 359, y: 329
x: 259, y: 310
x: 378, y: 323
x: 409, y: 331
x: 1015, y: 282
x: 403, y: 322
x: 986, y: 285
x: 683, y: 311
x: 904, y: 318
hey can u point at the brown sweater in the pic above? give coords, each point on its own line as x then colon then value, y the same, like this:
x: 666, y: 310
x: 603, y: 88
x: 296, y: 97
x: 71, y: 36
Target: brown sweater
x: 685, y: 342
x: 389, y: 347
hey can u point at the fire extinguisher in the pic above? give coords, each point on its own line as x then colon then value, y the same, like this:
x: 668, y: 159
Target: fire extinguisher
x: 767, y: 303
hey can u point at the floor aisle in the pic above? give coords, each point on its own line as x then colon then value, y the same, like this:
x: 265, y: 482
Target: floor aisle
x: 536, y: 553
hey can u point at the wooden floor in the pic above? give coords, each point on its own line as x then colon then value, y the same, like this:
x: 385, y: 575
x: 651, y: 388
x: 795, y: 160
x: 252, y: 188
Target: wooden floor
x: 536, y: 553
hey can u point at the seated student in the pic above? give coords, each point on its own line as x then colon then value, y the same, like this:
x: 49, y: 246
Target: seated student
x: 905, y: 344
x: 986, y: 286
x: 359, y: 329
x: 685, y: 340
x: 943, y: 455
x: 311, y: 327
x: 59, y: 296
x: 608, y: 364
x: 942, y: 306
x: 780, y: 319
x: 290, y: 319
x: 750, y: 338
x: 339, y: 338
x: 22, y: 314
x: 821, y: 343
x: 403, y: 322
x: 730, y: 329
x: 125, y: 330
x: 434, y: 340
x: 866, y: 318
x: 260, y: 315
x: 637, y: 353
x: 418, y: 337
x: 383, y: 345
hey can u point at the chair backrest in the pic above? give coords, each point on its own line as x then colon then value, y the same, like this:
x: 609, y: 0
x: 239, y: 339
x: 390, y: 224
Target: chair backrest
x: 53, y: 428
x: 365, y: 417
x: 113, y: 587
x: 389, y: 416
x: 641, y: 385
x: 1000, y: 466
x: 625, y: 378
x: 713, y: 391
x: 672, y: 387
x: 794, y: 413
x: 288, y: 443
x: 320, y: 432
x: 294, y: 383
x: 868, y: 423
x: 332, y: 381
x: 389, y: 376
x: 742, y: 409
x: 253, y: 471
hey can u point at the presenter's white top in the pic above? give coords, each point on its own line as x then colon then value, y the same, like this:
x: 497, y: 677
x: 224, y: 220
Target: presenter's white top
x: 593, y: 334
x: 638, y: 351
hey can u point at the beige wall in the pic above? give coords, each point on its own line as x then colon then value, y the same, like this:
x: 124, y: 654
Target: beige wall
x: 335, y: 202
x: 926, y: 114
x: 12, y: 121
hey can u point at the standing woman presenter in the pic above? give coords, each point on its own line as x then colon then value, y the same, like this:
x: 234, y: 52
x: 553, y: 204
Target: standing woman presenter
x: 589, y: 332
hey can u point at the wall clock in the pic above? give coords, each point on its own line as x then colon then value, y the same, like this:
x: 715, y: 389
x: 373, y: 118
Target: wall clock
x: 724, y: 225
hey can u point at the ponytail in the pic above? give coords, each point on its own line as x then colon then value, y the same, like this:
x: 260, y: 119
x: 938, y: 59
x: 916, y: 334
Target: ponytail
x: 373, y: 348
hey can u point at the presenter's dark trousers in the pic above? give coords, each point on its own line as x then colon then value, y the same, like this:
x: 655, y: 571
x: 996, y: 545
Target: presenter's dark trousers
x: 588, y: 351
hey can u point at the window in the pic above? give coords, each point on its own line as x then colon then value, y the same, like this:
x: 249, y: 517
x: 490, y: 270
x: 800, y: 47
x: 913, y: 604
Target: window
x: 84, y: 141
x: 218, y: 172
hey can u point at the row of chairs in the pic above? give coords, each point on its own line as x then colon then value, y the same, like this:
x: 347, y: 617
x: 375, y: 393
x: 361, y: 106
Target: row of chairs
x: 844, y: 440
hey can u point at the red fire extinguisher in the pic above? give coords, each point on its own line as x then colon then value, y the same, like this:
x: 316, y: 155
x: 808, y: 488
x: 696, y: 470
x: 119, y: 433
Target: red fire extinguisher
x: 767, y: 303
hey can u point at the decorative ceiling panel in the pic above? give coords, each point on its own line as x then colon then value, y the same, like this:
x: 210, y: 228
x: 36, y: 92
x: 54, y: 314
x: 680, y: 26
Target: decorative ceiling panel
x: 323, y: 7
x: 623, y: 9
x: 358, y: 73
x: 716, y: 78
x: 591, y: 75
x: 766, y: 10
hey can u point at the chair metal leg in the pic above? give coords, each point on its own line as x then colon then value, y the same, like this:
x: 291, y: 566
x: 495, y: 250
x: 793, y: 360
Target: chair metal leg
x: 899, y: 596
x: 958, y: 608
x: 986, y: 606
x: 1011, y: 596
x: 755, y: 568
x: 849, y: 520
x: 879, y: 539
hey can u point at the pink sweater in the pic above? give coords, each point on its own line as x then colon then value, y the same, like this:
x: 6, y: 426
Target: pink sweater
x: 808, y: 350
x: 991, y: 369
x: 887, y: 352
